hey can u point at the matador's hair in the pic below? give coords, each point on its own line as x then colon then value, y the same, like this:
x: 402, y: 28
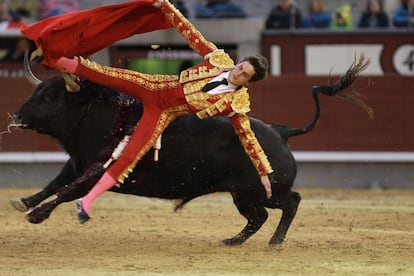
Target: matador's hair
x: 260, y: 65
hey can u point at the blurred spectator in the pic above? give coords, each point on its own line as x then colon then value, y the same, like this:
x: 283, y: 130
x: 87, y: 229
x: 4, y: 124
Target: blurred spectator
x: 47, y: 8
x: 180, y: 6
x: 374, y: 16
x: 16, y: 50
x: 342, y: 18
x: 219, y: 9
x: 6, y: 14
x: 4, y: 11
x: 318, y: 16
x: 25, y: 8
x: 404, y: 15
x: 284, y: 15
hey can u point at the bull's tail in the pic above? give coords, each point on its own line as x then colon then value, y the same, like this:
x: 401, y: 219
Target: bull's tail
x: 338, y: 89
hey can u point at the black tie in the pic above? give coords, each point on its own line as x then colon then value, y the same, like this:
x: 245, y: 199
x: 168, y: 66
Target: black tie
x: 214, y: 84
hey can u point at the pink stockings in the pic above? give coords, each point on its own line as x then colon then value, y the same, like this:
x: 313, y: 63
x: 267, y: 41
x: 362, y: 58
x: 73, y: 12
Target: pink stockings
x: 104, y: 184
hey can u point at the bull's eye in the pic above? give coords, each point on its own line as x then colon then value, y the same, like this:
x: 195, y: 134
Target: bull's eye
x: 49, y: 97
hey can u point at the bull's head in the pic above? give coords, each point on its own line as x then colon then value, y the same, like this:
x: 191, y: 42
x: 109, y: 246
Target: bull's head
x: 17, y: 119
x: 42, y: 112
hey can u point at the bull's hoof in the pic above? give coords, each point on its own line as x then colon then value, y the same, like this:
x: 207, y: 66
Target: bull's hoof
x: 18, y: 205
x: 276, y: 241
x: 82, y: 215
x: 33, y: 217
x: 232, y: 242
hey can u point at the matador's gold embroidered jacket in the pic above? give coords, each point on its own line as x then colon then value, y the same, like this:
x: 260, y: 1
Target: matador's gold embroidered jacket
x: 195, y: 78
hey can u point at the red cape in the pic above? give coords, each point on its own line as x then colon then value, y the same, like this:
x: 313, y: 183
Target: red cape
x: 85, y: 32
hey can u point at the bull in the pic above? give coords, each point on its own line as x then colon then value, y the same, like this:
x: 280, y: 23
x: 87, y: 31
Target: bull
x: 198, y: 157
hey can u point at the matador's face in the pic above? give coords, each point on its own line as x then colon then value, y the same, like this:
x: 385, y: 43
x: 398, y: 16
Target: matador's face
x: 241, y: 74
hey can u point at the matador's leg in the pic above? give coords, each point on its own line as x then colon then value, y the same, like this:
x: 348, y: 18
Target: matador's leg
x: 151, y: 125
x: 133, y: 83
x: 140, y: 142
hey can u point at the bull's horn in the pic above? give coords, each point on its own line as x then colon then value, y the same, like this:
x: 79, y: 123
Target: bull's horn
x: 31, y: 78
x: 70, y: 84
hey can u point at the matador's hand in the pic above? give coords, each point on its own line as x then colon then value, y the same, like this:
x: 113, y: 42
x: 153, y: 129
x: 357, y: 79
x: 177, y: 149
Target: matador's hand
x: 267, y: 185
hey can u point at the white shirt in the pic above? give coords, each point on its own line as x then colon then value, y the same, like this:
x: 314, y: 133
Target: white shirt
x: 222, y: 88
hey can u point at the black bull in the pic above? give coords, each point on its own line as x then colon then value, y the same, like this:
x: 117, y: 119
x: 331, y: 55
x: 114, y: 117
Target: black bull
x: 197, y: 156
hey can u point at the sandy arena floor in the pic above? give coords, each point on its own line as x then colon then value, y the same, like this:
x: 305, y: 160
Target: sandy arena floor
x: 335, y: 233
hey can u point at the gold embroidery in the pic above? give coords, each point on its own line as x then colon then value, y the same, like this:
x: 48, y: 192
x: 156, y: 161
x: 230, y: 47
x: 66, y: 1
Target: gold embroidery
x: 238, y: 100
x: 218, y: 58
x: 184, y: 76
x: 149, y: 81
x: 219, y: 106
x: 221, y: 59
x: 199, y: 96
x: 195, y: 86
x: 185, y: 27
x: 252, y: 147
x: 203, y: 70
x: 199, y: 73
x: 241, y: 102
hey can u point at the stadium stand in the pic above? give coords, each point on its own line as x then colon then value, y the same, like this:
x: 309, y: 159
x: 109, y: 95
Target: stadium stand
x: 260, y: 8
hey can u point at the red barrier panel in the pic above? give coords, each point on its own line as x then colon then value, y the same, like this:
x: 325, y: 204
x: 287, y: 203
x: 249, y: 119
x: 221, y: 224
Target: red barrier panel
x: 343, y: 125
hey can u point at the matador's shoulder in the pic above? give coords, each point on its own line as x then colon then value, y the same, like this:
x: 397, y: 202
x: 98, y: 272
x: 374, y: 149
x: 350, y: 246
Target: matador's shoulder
x: 241, y: 101
x: 221, y: 59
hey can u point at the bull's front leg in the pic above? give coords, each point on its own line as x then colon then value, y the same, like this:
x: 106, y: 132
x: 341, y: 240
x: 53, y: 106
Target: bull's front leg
x: 66, y: 176
x: 74, y: 190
